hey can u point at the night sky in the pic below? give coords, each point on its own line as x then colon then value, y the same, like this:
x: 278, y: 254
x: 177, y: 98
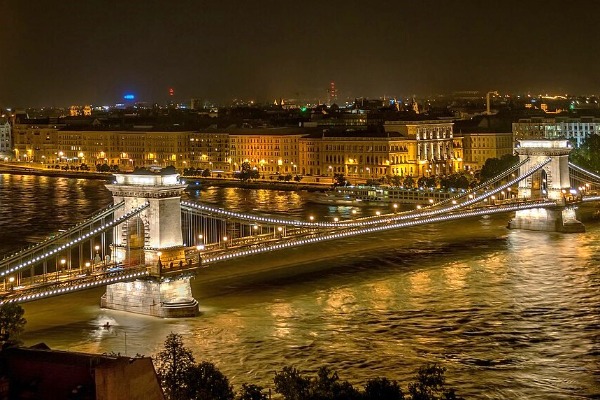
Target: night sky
x: 57, y: 53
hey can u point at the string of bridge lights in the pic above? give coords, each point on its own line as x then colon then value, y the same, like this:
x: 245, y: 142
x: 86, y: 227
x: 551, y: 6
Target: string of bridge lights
x: 486, y: 183
x: 387, y: 218
x: 374, y: 220
x: 31, y: 249
x: 383, y: 227
x: 578, y: 168
x: 81, y: 286
x: 56, y: 250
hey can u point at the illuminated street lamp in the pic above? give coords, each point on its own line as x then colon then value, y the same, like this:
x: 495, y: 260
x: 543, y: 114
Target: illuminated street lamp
x: 199, y: 248
x: 336, y: 219
x: 311, y: 218
x: 11, y: 280
x: 395, y: 207
x: 97, y: 257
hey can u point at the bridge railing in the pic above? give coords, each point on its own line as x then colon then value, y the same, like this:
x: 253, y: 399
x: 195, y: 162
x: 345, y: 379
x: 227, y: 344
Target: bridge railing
x: 49, y: 249
x: 55, y: 288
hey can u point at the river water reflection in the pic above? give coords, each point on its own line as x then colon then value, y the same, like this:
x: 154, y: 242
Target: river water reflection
x: 510, y: 314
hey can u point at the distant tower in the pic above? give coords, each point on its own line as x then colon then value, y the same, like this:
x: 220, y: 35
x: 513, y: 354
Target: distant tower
x: 332, y: 94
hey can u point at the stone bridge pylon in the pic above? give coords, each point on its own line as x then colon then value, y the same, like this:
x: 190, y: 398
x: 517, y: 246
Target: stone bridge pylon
x: 152, y: 238
x: 551, y: 182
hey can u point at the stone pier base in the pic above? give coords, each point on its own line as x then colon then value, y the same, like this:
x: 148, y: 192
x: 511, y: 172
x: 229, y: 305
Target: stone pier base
x: 549, y: 220
x: 170, y: 299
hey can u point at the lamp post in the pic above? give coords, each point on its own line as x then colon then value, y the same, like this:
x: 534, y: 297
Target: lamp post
x: 11, y: 280
x: 97, y: 258
x: 225, y: 239
x: 199, y: 248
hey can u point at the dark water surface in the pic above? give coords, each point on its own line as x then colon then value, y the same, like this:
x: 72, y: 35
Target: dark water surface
x: 510, y: 314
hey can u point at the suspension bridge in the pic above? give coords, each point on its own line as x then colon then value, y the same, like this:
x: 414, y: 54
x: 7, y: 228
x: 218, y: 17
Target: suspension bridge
x: 146, y: 245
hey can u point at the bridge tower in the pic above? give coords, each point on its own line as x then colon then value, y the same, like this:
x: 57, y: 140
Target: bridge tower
x: 153, y: 239
x: 551, y: 182
x: 158, y: 227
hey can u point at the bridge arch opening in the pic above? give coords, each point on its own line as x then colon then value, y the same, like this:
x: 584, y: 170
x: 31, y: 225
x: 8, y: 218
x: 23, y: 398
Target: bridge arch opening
x: 539, y: 184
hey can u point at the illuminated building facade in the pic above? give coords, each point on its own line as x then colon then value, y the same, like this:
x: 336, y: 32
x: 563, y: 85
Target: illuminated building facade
x: 35, y: 141
x: 478, y: 147
x: 403, y: 148
x: 207, y: 150
x: 368, y: 155
x: 269, y: 150
x: 556, y: 128
x: 5, y: 140
x: 434, y: 145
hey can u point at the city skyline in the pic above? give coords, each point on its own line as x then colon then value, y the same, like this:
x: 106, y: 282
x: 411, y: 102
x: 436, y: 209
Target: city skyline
x: 59, y: 53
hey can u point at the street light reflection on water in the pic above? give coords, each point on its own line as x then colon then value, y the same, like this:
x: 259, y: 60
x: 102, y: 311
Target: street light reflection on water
x: 510, y: 314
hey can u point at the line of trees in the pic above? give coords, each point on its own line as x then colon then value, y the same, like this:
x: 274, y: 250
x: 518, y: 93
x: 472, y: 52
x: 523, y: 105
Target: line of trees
x: 182, y: 378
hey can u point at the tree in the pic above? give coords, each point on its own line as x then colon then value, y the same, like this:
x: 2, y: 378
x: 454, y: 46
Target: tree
x: 587, y: 155
x: 172, y: 365
x: 409, y: 182
x: 252, y: 392
x: 206, y: 173
x: 396, y: 180
x: 495, y: 166
x: 431, y: 384
x: 291, y: 384
x: 327, y: 386
x: 382, y: 389
x: 170, y: 169
x: 339, y: 180
x: 12, y: 322
x: 205, y: 382
x: 246, y: 172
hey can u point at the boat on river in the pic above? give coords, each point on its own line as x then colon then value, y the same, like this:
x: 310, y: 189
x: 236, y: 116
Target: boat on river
x: 380, y: 195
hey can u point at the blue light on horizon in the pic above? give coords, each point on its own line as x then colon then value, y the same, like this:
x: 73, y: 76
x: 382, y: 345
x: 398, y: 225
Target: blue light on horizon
x: 129, y: 97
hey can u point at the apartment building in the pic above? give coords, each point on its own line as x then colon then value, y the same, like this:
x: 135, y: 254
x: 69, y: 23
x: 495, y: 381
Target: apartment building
x: 560, y: 127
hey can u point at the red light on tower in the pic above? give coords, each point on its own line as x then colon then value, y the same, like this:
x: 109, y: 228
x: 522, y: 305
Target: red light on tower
x: 171, y: 92
x: 332, y: 93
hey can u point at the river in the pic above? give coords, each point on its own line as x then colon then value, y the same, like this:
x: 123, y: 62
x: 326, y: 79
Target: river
x: 509, y: 314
